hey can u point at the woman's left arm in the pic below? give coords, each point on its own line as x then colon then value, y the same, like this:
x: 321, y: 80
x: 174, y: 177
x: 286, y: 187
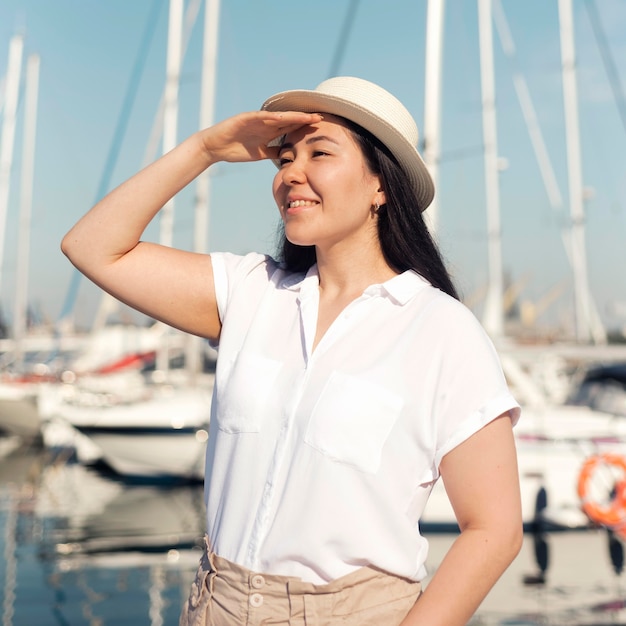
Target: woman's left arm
x: 482, y: 482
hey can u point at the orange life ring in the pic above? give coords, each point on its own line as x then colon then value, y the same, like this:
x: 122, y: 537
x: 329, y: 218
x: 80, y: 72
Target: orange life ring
x: 612, y: 512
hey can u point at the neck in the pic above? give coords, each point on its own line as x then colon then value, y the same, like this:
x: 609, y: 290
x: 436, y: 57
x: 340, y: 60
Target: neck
x: 351, y: 272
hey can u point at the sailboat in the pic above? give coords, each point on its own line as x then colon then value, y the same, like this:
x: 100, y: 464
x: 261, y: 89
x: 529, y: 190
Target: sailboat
x: 163, y: 434
x: 554, y: 437
x: 18, y: 410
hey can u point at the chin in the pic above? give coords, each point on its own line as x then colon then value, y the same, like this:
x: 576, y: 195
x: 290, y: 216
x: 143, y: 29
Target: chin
x: 299, y: 240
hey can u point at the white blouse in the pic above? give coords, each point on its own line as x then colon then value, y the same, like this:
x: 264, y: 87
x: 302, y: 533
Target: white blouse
x: 320, y: 462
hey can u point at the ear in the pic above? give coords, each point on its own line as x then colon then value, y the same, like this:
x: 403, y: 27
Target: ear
x: 380, y: 198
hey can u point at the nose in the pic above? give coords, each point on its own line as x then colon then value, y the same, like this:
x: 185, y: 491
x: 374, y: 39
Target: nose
x: 293, y: 172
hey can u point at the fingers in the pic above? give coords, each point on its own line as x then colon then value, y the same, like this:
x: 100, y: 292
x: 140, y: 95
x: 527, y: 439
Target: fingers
x: 287, y: 122
x: 295, y: 117
x: 245, y: 137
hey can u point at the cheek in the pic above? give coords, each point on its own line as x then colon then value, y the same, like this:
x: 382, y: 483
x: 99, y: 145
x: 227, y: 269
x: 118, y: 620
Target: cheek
x: 276, y: 188
x: 279, y: 195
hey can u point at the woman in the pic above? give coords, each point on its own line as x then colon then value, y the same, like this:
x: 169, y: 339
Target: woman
x: 349, y: 376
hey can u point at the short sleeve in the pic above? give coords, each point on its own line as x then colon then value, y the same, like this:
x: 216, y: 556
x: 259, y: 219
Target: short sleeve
x: 231, y: 270
x: 472, y: 389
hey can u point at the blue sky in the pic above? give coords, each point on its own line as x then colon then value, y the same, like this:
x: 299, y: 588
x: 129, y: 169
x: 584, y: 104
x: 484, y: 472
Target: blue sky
x: 88, y: 49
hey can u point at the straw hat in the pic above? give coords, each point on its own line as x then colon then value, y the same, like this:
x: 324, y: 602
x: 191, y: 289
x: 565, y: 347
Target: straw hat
x: 373, y: 108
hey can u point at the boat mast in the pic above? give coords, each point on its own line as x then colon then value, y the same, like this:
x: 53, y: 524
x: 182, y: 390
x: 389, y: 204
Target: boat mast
x: 207, y: 117
x: 541, y: 153
x: 493, y: 316
x: 26, y: 201
x: 587, y: 327
x: 108, y: 304
x: 203, y: 182
x: 156, y: 133
x: 170, y: 132
x: 170, y: 118
x: 432, y: 102
x: 7, y: 142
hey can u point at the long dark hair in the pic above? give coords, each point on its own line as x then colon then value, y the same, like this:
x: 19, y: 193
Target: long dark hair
x: 404, y: 237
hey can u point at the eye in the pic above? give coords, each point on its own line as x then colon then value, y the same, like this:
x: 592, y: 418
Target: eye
x: 318, y: 153
x: 285, y: 157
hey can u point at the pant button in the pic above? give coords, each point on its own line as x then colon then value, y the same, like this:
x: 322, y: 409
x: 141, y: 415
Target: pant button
x: 256, y: 600
x: 257, y: 581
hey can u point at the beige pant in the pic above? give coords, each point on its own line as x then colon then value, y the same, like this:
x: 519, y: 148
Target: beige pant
x: 226, y: 594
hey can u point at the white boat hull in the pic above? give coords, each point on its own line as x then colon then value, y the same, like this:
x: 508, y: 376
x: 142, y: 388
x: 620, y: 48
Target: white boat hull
x: 165, y: 453
x: 552, y: 445
x: 162, y: 436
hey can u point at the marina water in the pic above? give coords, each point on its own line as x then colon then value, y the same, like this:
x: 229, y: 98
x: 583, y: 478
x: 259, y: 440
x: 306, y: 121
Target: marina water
x: 80, y: 546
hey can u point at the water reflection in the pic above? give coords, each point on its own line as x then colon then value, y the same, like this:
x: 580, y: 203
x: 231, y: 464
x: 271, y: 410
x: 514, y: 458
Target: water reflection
x: 560, y: 578
x: 82, y: 547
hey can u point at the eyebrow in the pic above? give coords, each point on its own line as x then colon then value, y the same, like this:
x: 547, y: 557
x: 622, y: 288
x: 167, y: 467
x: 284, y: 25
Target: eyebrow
x: 309, y: 141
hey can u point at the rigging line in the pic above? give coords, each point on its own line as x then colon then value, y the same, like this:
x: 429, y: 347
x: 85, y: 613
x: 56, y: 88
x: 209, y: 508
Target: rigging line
x: 528, y: 108
x: 156, y: 134
x: 118, y: 136
x: 343, y: 39
x: 607, y: 59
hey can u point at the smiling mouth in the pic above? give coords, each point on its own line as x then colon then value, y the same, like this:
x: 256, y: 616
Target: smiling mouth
x: 301, y: 203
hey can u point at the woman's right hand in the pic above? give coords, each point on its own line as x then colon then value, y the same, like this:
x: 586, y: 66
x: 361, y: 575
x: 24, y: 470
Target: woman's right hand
x: 245, y: 137
x: 170, y: 285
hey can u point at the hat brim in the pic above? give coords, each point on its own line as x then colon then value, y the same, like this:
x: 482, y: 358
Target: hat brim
x: 309, y: 101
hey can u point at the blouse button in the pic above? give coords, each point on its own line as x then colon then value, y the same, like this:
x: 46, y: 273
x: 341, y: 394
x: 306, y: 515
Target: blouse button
x: 256, y: 600
x: 258, y: 581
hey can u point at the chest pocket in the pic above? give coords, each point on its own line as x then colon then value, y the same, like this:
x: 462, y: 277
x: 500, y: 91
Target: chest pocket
x: 244, y: 398
x: 352, y: 420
